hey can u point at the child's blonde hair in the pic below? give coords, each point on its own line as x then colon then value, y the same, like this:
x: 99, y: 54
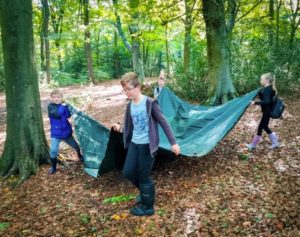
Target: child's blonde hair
x: 56, y: 92
x: 130, y: 77
x: 271, y: 78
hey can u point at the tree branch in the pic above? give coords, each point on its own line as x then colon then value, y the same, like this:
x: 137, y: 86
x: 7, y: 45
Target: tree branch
x: 254, y: 6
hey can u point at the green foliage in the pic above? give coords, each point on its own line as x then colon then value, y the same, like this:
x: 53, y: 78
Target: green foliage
x: 4, y: 226
x: 84, y: 218
x: 66, y: 79
x: 252, y: 50
x: 116, y: 199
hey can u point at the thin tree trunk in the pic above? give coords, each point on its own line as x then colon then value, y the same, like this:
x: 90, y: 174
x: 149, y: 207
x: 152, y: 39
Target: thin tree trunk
x: 87, y: 42
x: 188, y: 24
x: 57, y: 19
x: 134, y: 48
x: 98, y: 49
x: 45, y: 40
x: 271, y: 18
x: 59, y: 56
x: 167, y: 52
x: 277, y: 22
x: 42, y: 52
x: 25, y: 145
x: 116, y: 56
x: 221, y: 88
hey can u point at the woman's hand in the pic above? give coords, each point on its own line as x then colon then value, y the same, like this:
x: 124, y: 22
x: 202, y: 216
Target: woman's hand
x: 176, y: 149
x: 117, y: 127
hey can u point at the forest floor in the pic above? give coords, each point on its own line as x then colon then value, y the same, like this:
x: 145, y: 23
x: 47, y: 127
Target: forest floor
x: 229, y: 192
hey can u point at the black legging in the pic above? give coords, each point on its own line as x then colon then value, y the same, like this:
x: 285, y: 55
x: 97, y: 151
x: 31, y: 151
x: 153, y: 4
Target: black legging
x: 264, y: 124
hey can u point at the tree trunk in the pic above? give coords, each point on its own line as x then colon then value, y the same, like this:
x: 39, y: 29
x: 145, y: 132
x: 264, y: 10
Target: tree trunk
x: 45, y: 40
x: 87, y: 42
x: 134, y: 31
x: 278, y: 6
x: 116, y: 57
x: 136, y: 53
x: 221, y: 88
x: 98, y: 49
x: 57, y: 19
x: 188, y: 23
x: 167, y: 52
x: 25, y: 145
x: 232, y: 14
x: 59, y: 57
x: 271, y: 18
x: 137, y: 61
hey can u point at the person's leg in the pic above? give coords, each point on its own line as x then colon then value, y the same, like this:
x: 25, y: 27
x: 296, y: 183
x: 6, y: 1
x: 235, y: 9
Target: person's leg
x: 273, y: 137
x: 131, y: 165
x: 265, y: 123
x: 147, y: 189
x: 54, y: 146
x: 257, y: 138
x: 73, y: 143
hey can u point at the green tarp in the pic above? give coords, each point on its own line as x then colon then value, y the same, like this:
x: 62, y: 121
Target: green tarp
x: 197, y: 129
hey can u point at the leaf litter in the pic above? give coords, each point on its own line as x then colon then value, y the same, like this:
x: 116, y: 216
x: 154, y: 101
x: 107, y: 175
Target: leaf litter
x: 229, y: 192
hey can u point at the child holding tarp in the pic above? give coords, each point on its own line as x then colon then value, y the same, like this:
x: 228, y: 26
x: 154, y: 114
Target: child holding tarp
x: 140, y: 134
x: 160, y: 84
x: 60, y: 128
x: 266, y: 95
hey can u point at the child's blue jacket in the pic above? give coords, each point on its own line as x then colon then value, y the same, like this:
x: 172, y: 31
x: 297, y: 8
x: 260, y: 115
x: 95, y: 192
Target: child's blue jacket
x: 59, y: 124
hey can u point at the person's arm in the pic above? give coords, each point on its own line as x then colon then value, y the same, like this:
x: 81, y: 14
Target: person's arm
x: 155, y: 93
x: 160, y: 118
x: 66, y: 109
x: 53, y: 111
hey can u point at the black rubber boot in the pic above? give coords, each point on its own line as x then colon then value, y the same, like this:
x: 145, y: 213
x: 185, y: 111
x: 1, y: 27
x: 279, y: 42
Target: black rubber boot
x: 146, y: 208
x: 53, y: 165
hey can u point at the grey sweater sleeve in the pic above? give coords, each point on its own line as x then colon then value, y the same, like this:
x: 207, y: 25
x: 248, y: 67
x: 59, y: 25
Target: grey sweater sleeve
x: 160, y: 118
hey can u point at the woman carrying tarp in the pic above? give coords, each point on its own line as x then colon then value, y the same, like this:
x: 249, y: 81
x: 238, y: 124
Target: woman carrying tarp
x: 266, y: 95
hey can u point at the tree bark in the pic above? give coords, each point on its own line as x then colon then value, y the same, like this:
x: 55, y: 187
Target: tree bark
x: 25, y: 145
x: 134, y: 48
x: 57, y: 19
x: 271, y: 18
x: 87, y: 42
x: 116, y: 56
x: 221, y: 88
x: 167, y: 52
x: 188, y: 24
x: 45, y: 41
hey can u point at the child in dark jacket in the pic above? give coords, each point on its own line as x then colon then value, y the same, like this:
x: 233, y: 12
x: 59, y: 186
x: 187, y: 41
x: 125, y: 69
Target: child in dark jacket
x: 266, y: 95
x: 60, y: 128
x: 141, y: 137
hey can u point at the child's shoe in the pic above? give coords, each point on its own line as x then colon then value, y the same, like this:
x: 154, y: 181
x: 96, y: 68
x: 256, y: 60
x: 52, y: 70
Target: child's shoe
x: 274, y: 139
x: 256, y: 139
x: 142, y: 210
x: 52, y: 170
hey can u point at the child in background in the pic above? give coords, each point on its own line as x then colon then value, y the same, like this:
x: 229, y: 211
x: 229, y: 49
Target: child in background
x: 60, y: 127
x: 161, y: 84
x: 141, y: 137
x: 266, y: 95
